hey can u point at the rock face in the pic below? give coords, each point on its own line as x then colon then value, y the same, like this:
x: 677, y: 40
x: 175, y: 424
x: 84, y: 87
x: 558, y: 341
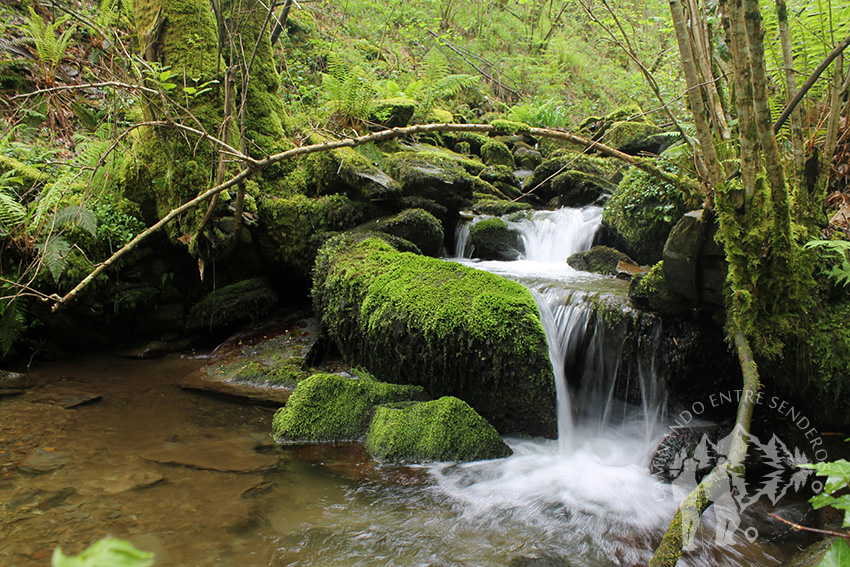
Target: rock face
x: 492, y: 239
x: 599, y: 259
x: 440, y: 430
x: 451, y: 329
x: 333, y: 408
x: 694, y: 263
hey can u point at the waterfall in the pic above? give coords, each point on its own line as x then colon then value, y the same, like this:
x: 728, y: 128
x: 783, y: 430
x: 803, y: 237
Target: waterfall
x: 598, y: 380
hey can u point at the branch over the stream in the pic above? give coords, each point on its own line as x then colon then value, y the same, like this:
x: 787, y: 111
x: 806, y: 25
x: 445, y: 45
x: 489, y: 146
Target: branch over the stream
x: 252, y: 166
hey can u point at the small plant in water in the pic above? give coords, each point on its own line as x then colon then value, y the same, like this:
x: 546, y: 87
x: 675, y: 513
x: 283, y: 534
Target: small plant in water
x: 108, y: 552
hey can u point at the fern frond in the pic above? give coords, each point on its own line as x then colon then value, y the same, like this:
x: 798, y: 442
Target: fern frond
x: 55, y: 253
x: 47, y: 202
x: 12, y: 213
x: 841, y: 271
x: 12, y: 324
x: 436, y: 66
x: 78, y: 216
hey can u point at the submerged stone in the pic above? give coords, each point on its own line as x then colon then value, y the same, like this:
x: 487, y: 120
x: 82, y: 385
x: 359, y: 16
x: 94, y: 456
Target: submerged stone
x: 452, y: 329
x: 447, y: 429
x: 333, y: 408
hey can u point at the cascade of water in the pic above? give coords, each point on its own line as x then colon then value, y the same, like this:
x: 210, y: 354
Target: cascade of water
x: 463, y: 248
x: 552, y: 236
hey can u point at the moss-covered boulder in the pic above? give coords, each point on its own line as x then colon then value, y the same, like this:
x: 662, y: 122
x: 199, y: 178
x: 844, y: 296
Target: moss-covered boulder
x: 293, y: 228
x: 599, y: 259
x: 393, y: 112
x: 414, y: 225
x: 451, y: 329
x: 630, y: 137
x: 493, y: 239
x: 503, y: 178
x: 498, y: 208
x: 447, y: 429
x: 527, y: 157
x: 694, y: 263
x: 236, y: 303
x: 650, y: 291
x: 640, y: 214
x: 573, y: 179
x: 342, y: 171
x: 334, y: 408
x: 433, y: 177
x: 497, y: 153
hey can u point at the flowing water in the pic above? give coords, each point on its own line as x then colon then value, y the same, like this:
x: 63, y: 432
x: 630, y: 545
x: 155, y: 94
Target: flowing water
x: 195, y: 479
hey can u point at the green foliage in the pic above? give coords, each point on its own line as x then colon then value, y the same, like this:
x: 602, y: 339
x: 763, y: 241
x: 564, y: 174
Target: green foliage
x: 50, y: 44
x: 348, y: 91
x: 108, y: 552
x: 841, y: 271
x: 838, y: 554
x: 549, y: 113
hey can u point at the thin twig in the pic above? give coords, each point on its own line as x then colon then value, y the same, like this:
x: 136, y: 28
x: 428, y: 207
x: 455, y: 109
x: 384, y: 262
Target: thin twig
x: 845, y: 535
x: 87, y: 86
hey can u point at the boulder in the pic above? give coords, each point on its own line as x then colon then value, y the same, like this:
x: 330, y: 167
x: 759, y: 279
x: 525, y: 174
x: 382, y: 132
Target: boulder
x: 451, y: 329
x: 527, y: 158
x: 600, y: 260
x: 650, y: 291
x: 497, y: 153
x: 498, y: 208
x: 630, y: 137
x: 414, y: 225
x: 493, y: 239
x: 237, y: 303
x: 334, y: 408
x: 447, y: 429
x: 572, y: 179
x: 393, y: 112
x: 433, y: 177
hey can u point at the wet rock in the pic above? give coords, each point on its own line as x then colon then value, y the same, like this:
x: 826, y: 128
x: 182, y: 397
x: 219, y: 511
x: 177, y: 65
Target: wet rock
x: 493, y: 239
x: 42, y: 461
x: 161, y: 347
x: 600, y: 260
x: 235, y: 454
x: 651, y: 291
x: 498, y: 208
x: 261, y: 363
x: 433, y: 177
x: 332, y: 408
x: 694, y: 264
x: 64, y: 397
x: 447, y: 429
x: 414, y: 225
x: 542, y: 561
x: 573, y: 179
x: 527, y: 158
x: 15, y: 381
x: 236, y: 303
x: 125, y: 480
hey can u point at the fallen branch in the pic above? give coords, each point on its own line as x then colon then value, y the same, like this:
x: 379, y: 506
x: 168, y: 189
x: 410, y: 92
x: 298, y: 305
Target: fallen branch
x: 685, y: 522
x: 802, y: 528
x: 252, y: 166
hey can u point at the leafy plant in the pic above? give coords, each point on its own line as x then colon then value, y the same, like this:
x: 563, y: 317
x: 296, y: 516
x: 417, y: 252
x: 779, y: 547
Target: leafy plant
x: 108, y: 552
x: 50, y: 44
x: 348, y: 91
x: 841, y: 270
x: 837, y: 475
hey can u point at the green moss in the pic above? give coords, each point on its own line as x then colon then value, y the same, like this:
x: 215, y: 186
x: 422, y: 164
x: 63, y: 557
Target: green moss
x: 498, y: 208
x: 510, y: 127
x: 475, y: 141
x: 235, y: 303
x: 492, y: 239
x: 440, y: 116
x: 414, y: 225
x: 329, y: 407
x: 630, y: 112
x: 497, y: 153
x: 296, y: 226
x: 446, y: 429
x: 649, y: 291
x: 624, y: 134
x: 454, y: 330
x: 642, y: 211
x: 393, y: 112
x: 599, y: 259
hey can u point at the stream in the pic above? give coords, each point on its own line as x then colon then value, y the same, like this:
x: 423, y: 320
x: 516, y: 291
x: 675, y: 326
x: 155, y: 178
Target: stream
x: 197, y: 480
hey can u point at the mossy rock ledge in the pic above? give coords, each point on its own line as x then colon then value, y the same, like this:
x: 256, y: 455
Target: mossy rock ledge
x: 236, y: 303
x: 454, y: 330
x: 493, y: 239
x: 447, y: 429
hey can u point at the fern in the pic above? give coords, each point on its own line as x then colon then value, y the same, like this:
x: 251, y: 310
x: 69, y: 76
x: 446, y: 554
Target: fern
x: 841, y: 271
x: 55, y: 252
x: 49, y: 47
x: 348, y: 91
x: 12, y: 324
x: 77, y: 216
x: 12, y: 213
x: 47, y: 203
